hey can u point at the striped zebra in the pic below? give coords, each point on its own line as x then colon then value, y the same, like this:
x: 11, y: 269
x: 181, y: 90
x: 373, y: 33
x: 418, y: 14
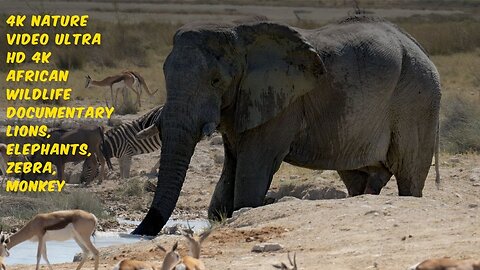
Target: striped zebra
x: 121, y: 142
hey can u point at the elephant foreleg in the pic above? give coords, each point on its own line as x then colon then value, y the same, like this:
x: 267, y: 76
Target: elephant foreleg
x: 260, y: 155
x: 254, y: 176
x: 221, y: 204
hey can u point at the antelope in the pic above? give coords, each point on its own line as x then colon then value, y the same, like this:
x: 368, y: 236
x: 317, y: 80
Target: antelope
x: 192, y: 261
x: 195, y: 244
x: 59, y: 226
x: 3, y: 161
x: 293, y: 264
x: 172, y: 258
x: 3, y: 250
x: 447, y: 264
x: 129, y: 79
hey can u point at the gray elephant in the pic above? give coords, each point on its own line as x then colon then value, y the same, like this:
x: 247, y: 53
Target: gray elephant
x: 359, y: 96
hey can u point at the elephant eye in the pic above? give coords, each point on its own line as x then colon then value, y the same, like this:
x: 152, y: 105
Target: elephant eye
x: 215, y: 82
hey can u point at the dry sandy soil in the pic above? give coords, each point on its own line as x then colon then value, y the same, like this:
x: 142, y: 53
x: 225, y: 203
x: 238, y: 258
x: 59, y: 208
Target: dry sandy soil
x: 365, y: 232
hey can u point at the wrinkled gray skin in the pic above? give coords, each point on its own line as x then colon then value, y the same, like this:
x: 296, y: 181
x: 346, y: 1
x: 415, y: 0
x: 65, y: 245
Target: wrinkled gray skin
x: 360, y: 97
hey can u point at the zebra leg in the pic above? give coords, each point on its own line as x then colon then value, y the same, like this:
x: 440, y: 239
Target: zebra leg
x: 101, y: 160
x: 155, y: 167
x: 125, y: 162
x: 90, y: 169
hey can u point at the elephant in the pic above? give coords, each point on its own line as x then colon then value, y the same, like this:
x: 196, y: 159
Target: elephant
x: 359, y: 96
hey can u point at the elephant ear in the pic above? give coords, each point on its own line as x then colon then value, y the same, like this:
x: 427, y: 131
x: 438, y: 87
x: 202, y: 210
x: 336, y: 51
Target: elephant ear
x: 280, y: 66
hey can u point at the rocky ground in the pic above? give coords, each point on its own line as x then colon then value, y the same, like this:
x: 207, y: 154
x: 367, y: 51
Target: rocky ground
x: 325, y: 229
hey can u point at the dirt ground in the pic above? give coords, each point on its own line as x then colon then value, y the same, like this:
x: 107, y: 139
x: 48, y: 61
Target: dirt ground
x: 365, y: 232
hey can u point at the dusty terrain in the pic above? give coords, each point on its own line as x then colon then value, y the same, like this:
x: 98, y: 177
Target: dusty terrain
x: 365, y: 232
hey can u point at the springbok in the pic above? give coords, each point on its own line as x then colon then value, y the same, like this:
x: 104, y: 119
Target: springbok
x: 129, y: 79
x: 3, y: 162
x: 172, y: 258
x: 293, y: 264
x: 59, y: 226
x: 195, y: 243
x: 3, y: 250
x: 192, y: 261
x: 447, y: 264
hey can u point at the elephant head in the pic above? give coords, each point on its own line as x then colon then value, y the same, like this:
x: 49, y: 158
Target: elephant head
x: 245, y: 72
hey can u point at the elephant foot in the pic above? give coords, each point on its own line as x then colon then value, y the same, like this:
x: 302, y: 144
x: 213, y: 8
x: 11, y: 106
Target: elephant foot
x: 219, y: 214
x: 371, y: 191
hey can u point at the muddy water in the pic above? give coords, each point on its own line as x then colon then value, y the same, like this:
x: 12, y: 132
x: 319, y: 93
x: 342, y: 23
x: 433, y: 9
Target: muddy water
x: 62, y: 252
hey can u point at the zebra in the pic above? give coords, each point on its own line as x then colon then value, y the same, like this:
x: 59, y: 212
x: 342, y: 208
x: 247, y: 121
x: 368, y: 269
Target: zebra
x: 121, y: 142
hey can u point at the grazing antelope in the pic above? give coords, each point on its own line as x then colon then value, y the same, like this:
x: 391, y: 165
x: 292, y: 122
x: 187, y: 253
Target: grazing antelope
x: 447, y: 264
x: 59, y: 226
x: 3, y: 162
x: 172, y: 258
x: 128, y: 79
x: 293, y: 264
x: 3, y: 250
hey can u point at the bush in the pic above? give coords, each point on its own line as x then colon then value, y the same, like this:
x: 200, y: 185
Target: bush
x: 460, y: 128
x: 134, y: 188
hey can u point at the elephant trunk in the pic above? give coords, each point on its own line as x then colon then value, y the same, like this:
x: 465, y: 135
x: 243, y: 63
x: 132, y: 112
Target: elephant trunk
x: 178, y: 144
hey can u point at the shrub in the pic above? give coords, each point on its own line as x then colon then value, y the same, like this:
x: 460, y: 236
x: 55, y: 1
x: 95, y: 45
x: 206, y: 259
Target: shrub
x: 133, y: 187
x: 460, y: 128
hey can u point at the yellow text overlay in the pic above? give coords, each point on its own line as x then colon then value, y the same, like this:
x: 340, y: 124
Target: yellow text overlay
x: 34, y: 186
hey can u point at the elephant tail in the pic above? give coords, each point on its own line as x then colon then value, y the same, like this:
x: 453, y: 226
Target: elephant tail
x: 437, y: 153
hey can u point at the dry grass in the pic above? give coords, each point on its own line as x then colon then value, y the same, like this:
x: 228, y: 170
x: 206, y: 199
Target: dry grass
x: 460, y: 108
x: 23, y: 206
x: 461, y: 124
x: 442, y: 35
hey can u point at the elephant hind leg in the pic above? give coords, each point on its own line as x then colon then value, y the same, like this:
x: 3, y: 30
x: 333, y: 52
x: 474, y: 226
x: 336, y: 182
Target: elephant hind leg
x: 409, y: 158
x: 414, y: 120
x: 366, y: 180
x: 355, y: 181
x: 378, y: 177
